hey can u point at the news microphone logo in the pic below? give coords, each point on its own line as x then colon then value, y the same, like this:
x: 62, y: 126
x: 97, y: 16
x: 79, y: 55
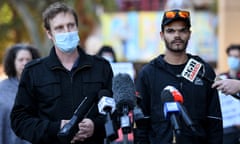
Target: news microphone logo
x: 106, y: 102
x: 191, y: 69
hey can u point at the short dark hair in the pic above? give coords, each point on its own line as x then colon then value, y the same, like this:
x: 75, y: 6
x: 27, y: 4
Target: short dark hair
x: 233, y: 47
x: 10, y: 56
x: 54, y: 9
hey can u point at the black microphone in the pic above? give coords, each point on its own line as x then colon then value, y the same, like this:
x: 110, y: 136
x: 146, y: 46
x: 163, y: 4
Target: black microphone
x: 193, y: 69
x: 124, y: 96
x: 68, y: 131
x: 177, y: 97
x: 171, y: 110
x: 140, y: 119
x: 107, y: 106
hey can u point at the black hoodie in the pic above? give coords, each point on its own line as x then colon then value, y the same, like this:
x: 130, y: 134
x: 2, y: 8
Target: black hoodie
x: 200, y: 100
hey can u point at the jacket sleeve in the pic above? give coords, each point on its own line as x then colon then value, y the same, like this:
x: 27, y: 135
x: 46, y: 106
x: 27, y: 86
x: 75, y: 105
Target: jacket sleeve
x: 141, y: 132
x: 24, y: 120
x: 214, y: 125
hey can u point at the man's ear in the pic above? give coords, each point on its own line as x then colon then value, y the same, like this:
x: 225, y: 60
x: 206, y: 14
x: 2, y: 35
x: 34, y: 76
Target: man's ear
x: 49, y: 34
x: 161, y: 35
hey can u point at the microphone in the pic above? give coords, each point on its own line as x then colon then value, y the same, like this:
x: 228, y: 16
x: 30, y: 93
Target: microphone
x: 192, y: 70
x: 140, y: 119
x: 124, y: 95
x: 106, y: 106
x: 177, y: 97
x: 70, y: 129
x: 171, y: 110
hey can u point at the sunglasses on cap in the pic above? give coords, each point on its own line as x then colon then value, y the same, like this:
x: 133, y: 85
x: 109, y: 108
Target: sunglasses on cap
x: 173, y: 14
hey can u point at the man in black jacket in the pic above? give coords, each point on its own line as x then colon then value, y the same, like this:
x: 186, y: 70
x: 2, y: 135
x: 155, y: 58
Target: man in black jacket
x: 51, y: 88
x: 200, y: 100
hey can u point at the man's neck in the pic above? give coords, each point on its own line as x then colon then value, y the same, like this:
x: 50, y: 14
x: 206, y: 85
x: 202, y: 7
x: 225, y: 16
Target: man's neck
x: 67, y: 59
x: 175, y: 58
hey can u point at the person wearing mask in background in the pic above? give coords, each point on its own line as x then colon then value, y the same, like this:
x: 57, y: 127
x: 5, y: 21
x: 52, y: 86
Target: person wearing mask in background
x: 52, y: 88
x: 231, y: 83
x: 108, y: 53
x: 14, y: 61
x: 233, y: 52
x: 200, y: 100
x: 231, y: 112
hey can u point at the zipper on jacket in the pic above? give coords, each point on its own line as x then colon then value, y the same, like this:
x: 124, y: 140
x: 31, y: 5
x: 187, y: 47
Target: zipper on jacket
x: 181, y: 85
x: 78, y: 69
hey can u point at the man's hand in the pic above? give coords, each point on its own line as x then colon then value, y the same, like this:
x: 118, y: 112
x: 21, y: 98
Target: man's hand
x: 227, y: 86
x: 86, y: 129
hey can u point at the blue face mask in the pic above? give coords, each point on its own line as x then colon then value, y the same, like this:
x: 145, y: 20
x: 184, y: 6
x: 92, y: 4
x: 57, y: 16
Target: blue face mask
x: 233, y: 63
x: 67, y: 42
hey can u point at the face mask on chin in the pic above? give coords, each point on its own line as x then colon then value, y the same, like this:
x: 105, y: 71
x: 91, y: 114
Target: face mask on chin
x: 233, y: 63
x: 67, y: 42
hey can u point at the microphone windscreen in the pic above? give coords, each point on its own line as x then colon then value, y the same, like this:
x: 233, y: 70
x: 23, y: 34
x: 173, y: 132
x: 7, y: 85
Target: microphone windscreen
x: 124, y: 91
x: 171, y: 94
x: 104, y: 92
x: 177, y: 96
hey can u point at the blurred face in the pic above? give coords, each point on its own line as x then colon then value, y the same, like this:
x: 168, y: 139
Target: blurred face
x: 234, y: 60
x: 108, y: 56
x: 22, y: 57
x: 176, y: 36
x: 234, y: 53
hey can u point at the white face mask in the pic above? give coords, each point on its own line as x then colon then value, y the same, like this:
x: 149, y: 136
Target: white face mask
x: 108, y: 58
x: 233, y: 63
x: 67, y: 42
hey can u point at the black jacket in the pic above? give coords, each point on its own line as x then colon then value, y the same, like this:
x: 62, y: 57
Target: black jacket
x: 48, y: 93
x: 200, y: 100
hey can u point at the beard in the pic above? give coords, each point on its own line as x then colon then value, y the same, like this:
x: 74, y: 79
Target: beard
x: 177, y: 49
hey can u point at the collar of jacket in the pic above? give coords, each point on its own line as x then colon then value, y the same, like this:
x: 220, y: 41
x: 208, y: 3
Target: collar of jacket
x: 84, y: 59
x: 161, y: 63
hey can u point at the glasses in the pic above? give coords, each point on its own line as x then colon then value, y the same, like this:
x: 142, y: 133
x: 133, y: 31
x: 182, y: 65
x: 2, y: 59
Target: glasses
x: 172, y: 14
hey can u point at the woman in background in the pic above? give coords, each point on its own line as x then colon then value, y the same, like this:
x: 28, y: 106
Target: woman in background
x: 14, y: 61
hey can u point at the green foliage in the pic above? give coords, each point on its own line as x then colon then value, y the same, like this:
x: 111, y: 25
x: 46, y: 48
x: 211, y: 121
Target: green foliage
x: 6, y: 14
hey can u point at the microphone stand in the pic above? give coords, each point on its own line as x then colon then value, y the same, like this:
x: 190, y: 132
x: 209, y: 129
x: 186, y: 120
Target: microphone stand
x: 125, y: 139
x: 111, y: 134
x: 125, y: 124
x: 107, y: 141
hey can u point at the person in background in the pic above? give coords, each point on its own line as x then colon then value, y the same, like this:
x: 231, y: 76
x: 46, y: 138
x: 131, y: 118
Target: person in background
x: 230, y: 84
x: 232, y: 131
x: 52, y: 88
x: 200, y: 100
x: 108, y: 53
x: 14, y: 61
x: 233, y: 60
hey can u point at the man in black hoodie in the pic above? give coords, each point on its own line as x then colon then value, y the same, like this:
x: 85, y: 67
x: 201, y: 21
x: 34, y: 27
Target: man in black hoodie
x: 200, y: 100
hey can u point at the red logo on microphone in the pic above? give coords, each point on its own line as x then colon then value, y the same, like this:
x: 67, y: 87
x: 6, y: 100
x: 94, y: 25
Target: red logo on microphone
x: 191, y: 70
